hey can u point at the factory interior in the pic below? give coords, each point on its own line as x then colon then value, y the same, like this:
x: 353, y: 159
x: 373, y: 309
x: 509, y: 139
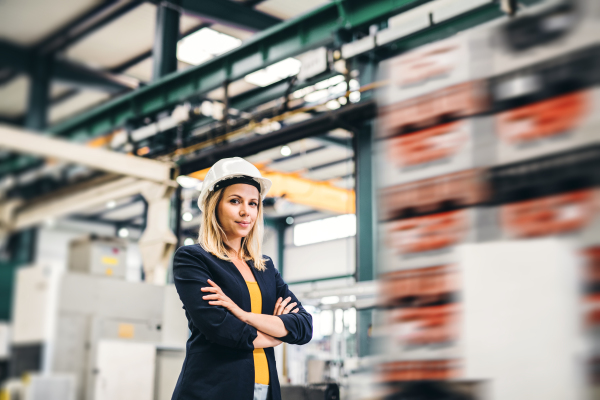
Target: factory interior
x: 434, y: 204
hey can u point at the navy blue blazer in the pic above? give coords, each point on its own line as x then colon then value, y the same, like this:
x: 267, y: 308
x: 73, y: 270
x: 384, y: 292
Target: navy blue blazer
x: 219, y: 364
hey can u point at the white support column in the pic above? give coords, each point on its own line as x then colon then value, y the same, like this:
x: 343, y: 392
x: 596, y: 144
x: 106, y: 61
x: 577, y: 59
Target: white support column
x: 158, y: 240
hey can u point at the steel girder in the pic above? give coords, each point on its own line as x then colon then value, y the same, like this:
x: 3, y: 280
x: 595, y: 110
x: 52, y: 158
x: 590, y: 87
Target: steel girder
x: 165, y: 42
x: 23, y: 60
x: 227, y: 12
x: 318, y: 125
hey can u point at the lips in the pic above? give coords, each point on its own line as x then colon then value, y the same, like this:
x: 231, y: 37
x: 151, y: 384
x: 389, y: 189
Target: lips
x: 243, y: 224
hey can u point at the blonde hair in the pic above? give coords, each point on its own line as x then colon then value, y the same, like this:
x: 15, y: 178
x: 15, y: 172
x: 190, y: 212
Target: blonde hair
x: 212, y: 236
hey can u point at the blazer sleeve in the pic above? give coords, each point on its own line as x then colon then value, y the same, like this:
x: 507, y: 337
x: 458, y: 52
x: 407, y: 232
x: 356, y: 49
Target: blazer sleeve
x: 299, y: 325
x: 215, y: 322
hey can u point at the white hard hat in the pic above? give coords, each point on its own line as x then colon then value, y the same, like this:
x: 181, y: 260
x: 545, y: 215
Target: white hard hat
x: 228, y: 168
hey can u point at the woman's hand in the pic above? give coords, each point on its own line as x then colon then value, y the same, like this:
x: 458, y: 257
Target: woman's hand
x: 282, y: 307
x: 218, y: 298
x: 263, y: 341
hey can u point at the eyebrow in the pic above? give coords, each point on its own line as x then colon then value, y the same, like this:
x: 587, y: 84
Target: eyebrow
x: 237, y: 195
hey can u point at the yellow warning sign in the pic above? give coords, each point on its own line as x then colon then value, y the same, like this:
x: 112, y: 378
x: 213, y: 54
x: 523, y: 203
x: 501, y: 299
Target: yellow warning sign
x: 110, y: 260
x: 126, y: 331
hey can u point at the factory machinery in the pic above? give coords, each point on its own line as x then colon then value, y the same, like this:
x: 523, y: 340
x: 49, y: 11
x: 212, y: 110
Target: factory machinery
x: 87, y: 333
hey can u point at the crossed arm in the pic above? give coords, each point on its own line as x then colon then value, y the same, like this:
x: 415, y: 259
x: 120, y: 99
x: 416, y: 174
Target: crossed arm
x: 229, y: 325
x: 268, y: 327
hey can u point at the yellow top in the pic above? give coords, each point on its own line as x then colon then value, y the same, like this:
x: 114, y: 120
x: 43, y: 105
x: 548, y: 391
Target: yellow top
x: 261, y: 367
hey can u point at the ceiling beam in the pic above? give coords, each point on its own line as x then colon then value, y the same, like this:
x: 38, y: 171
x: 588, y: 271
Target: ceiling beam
x: 79, y: 198
x: 315, y: 126
x: 79, y: 76
x: 287, y: 39
x: 28, y: 142
x: 21, y: 59
x: 225, y: 12
x: 15, y: 57
x: 166, y: 36
x: 252, y: 3
x: 332, y: 140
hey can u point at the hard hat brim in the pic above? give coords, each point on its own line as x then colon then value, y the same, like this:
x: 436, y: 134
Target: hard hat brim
x: 265, y: 185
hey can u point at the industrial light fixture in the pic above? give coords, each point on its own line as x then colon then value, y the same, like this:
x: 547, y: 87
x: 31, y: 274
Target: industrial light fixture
x: 286, y: 151
x: 333, y: 104
x: 123, y: 232
x: 289, y: 220
x: 187, y: 181
x: 188, y: 242
x: 274, y: 72
x: 205, y: 44
x: 111, y: 204
x: 187, y: 216
x: 354, y: 97
x: 316, y: 96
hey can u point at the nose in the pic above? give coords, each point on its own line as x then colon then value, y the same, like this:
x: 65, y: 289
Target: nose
x: 243, y: 210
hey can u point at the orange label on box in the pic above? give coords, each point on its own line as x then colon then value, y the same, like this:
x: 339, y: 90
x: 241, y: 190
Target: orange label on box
x: 543, y: 119
x: 428, y: 145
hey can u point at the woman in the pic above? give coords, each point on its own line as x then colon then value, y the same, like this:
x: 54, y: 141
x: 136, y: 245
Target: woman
x: 237, y: 305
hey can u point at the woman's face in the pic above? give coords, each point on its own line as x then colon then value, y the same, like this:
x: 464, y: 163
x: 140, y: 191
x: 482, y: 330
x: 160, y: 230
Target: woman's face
x: 237, y: 210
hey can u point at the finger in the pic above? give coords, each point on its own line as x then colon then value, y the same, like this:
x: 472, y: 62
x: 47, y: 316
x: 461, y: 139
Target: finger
x: 216, y: 303
x: 277, y: 306
x: 283, y: 304
x: 209, y: 289
x: 210, y: 297
x: 295, y: 310
x: 290, y: 306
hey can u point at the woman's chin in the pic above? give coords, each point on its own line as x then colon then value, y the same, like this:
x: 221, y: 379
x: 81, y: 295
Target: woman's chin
x: 243, y: 232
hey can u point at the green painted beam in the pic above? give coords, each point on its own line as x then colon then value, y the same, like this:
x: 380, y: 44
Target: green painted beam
x: 287, y: 39
x: 22, y: 252
x: 280, y: 226
x: 39, y: 93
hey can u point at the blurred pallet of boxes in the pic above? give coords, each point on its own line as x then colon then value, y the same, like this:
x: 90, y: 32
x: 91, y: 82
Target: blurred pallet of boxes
x: 487, y: 137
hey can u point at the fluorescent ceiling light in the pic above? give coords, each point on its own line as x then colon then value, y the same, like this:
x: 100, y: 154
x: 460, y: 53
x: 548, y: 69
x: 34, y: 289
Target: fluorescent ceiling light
x: 205, y: 44
x: 275, y: 72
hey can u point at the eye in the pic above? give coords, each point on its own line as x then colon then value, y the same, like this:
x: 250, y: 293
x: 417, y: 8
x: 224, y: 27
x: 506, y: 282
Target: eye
x: 253, y: 203
x: 234, y: 201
